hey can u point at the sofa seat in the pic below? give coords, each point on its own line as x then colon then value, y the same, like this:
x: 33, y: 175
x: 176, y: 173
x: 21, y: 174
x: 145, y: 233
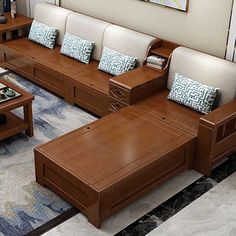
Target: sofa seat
x: 173, y: 113
x: 79, y: 83
x: 26, y: 48
x: 89, y: 75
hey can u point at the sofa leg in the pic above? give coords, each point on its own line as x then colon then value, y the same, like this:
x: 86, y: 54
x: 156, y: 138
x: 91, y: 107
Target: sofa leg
x: 39, y: 168
x: 207, y: 172
x: 94, y: 214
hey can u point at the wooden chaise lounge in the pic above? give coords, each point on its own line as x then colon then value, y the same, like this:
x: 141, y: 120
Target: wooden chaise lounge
x: 102, y: 167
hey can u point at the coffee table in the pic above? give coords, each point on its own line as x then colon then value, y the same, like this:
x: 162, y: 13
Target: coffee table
x: 104, y: 166
x: 14, y: 123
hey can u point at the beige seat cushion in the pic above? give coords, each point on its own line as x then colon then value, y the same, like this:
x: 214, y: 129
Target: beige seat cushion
x: 53, y: 16
x: 88, y: 28
x: 205, y: 69
x: 128, y: 42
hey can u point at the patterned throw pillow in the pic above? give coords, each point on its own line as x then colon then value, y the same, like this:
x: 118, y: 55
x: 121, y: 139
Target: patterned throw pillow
x: 116, y: 63
x: 78, y: 48
x: 43, y: 34
x: 193, y: 94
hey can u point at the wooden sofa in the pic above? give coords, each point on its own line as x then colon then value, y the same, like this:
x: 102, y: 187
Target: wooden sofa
x: 79, y: 83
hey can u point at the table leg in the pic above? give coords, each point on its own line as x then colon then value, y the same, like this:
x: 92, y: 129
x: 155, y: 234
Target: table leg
x: 28, y: 118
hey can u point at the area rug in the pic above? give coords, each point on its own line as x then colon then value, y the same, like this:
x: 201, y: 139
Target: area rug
x: 25, y: 205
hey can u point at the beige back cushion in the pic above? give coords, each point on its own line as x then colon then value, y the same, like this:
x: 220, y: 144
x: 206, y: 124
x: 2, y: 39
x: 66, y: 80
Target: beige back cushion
x: 205, y: 69
x: 88, y: 28
x: 128, y: 42
x: 53, y: 16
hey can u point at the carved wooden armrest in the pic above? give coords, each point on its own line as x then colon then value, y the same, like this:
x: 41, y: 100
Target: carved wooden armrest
x: 216, y: 137
x: 136, y: 84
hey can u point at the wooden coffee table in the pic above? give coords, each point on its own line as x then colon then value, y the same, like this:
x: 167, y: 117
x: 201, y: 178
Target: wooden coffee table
x: 104, y: 166
x: 14, y: 123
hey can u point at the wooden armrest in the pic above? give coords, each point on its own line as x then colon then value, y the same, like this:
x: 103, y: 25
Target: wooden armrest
x: 136, y: 85
x: 136, y: 77
x: 216, y: 137
x: 220, y: 116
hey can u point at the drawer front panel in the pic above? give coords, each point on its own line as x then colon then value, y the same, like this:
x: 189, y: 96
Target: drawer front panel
x: 19, y: 62
x: 90, y: 99
x: 119, y: 93
x: 54, y: 81
x: 116, y: 105
x: 71, y: 190
x: 126, y: 190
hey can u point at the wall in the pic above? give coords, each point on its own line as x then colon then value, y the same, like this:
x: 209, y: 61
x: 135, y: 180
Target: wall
x: 22, y: 7
x: 231, y: 51
x: 204, y: 27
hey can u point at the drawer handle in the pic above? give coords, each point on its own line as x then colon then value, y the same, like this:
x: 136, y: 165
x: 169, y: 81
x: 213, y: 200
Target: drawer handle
x: 116, y: 106
x: 117, y: 93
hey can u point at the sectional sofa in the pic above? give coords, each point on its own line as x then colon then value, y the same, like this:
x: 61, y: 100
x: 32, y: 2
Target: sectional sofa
x: 77, y: 82
x: 158, y: 137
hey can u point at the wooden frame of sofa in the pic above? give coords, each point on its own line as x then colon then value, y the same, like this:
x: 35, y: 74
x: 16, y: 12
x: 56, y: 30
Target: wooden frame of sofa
x: 90, y: 97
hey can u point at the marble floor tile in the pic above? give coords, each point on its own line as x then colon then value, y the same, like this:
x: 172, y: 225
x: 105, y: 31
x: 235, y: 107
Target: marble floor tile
x: 79, y: 226
x: 225, y: 169
x: 141, y: 227
x: 213, y: 214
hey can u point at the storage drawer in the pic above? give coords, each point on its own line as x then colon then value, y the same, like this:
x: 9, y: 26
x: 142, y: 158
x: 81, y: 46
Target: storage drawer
x: 91, y: 99
x: 119, y: 93
x: 61, y: 183
x: 18, y: 61
x: 130, y: 186
x: 116, y: 105
x: 49, y: 79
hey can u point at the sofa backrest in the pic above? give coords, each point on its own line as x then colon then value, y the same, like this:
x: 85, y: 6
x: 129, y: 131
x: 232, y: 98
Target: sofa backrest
x: 205, y: 69
x: 53, y: 16
x: 88, y: 28
x: 128, y: 42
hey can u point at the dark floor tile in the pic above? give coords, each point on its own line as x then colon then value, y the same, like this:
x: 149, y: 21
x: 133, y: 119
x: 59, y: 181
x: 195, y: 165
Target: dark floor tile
x: 225, y: 169
x: 141, y: 227
x: 183, y: 198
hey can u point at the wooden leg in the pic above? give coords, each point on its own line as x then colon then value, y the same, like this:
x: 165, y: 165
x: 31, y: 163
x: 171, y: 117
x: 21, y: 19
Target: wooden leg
x: 207, y: 171
x: 28, y: 118
x: 39, y: 168
x: 94, y: 214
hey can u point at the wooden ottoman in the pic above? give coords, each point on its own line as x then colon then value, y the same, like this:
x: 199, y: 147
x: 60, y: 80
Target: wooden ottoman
x: 102, y: 167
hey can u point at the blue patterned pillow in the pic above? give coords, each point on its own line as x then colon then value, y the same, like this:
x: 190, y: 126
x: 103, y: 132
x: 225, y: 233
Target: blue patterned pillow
x: 43, y: 34
x: 193, y: 94
x: 78, y: 48
x: 116, y: 63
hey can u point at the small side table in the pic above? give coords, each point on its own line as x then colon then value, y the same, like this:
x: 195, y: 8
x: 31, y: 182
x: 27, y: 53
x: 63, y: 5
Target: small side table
x: 14, y: 28
x: 14, y: 123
